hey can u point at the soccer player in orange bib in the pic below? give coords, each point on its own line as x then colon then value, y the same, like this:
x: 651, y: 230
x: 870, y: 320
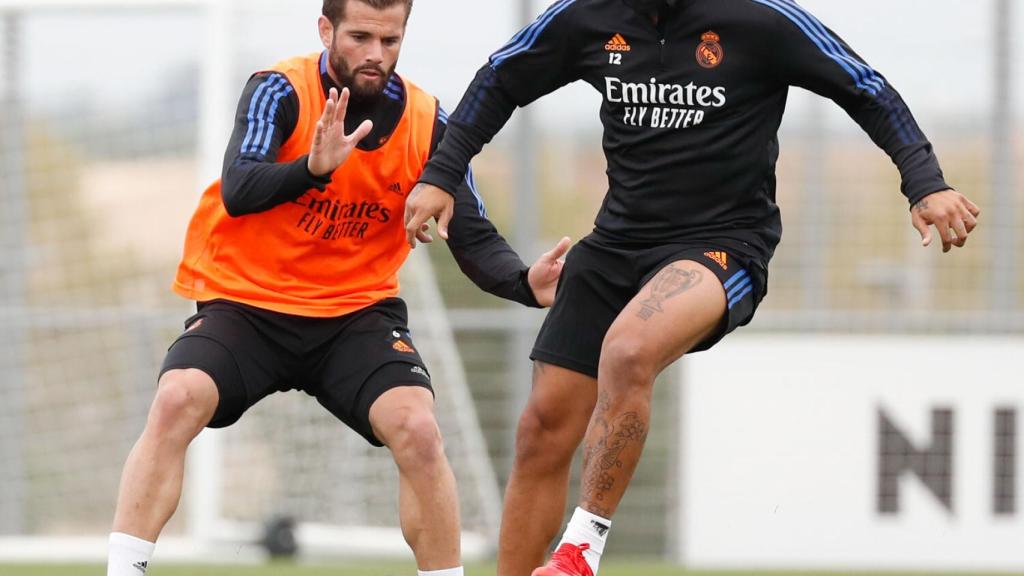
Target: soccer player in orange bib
x: 693, y: 94
x: 293, y: 258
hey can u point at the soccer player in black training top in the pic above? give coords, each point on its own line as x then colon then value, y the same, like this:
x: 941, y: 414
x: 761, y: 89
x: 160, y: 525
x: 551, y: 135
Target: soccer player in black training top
x: 693, y: 95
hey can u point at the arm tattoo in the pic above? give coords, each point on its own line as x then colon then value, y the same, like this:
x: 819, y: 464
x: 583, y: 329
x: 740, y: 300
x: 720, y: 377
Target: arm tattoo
x: 668, y: 283
x: 921, y: 205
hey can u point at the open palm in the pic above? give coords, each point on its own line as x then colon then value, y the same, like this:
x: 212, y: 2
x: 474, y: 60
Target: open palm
x: 331, y: 146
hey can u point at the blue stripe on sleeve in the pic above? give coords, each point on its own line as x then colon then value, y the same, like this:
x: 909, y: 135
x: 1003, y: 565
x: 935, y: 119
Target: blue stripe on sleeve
x: 868, y: 74
x: 257, y: 96
x: 471, y: 181
x: 273, y: 114
x: 264, y: 122
x: 522, y: 41
x: 887, y: 101
x: 863, y: 75
x: 467, y: 112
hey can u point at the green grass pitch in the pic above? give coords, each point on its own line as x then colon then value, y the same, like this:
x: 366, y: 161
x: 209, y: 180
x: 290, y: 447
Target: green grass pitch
x: 399, y: 569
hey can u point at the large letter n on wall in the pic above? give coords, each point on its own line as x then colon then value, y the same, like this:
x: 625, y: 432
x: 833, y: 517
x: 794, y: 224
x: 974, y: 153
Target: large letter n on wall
x: 932, y: 464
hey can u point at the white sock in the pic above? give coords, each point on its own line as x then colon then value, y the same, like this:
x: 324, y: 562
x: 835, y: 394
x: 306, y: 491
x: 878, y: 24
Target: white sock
x: 589, y: 528
x: 445, y: 572
x: 129, y: 556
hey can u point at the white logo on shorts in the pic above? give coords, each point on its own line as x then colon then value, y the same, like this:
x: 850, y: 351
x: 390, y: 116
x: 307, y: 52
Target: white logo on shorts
x: 420, y: 371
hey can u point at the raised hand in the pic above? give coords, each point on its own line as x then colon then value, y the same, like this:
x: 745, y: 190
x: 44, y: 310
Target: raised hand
x: 545, y: 272
x: 952, y: 214
x: 331, y: 146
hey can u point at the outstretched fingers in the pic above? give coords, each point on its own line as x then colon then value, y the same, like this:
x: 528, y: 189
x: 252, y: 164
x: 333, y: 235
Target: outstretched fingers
x: 342, y: 106
x: 318, y: 134
x: 361, y: 132
x: 330, y: 108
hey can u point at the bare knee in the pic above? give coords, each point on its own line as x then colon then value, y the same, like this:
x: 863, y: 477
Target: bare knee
x: 185, y: 402
x: 547, y: 436
x: 627, y: 364
x: 555, y: 419
x: 414, y: 438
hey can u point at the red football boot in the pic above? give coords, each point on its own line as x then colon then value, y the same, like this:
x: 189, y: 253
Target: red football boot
x: 566, y: 561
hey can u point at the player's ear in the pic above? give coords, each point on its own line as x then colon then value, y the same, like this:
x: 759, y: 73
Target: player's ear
x: 326, y: 29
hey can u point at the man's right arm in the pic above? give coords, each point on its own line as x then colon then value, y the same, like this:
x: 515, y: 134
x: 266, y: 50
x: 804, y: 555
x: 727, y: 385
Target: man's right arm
x: 536, y: 61
x: 252, y: 180
x: 484, y: 110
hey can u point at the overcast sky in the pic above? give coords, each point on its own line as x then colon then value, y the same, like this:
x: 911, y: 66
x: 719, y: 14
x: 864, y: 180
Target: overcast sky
x: 938, y: 53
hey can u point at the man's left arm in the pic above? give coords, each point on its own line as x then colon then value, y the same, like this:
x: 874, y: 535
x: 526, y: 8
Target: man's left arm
x: 486, y: 258
x: 814, y: 57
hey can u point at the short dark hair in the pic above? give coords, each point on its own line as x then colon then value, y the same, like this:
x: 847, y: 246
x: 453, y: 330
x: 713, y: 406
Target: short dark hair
x: 334, y: 10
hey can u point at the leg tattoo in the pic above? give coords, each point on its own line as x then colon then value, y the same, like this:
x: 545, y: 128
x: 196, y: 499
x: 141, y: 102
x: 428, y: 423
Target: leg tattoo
x: 601, y: 459
x: 668, y: 283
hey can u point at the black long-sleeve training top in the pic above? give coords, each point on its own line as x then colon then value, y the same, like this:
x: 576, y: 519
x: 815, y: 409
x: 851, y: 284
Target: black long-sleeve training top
x: 692, y: 103
x: 253, y: 181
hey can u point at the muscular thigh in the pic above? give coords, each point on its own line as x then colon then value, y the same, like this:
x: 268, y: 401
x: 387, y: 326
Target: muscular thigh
x: 235, y: 347
x: 681, y: 306
x: 663, y: 300
x: 371, y: 355
x: 596, y: 283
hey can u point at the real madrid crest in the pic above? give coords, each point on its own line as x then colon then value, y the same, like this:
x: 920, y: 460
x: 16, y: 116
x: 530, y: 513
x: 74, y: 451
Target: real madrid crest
x: 709, y: 51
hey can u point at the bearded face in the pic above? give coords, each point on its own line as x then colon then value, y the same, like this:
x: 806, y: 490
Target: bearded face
x: 363, y: 48
x: 365, y: 80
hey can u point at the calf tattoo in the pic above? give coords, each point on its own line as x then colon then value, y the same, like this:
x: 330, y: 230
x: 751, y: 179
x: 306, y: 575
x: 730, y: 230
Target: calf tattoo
x: 603, y: 457
x: 668, y: 283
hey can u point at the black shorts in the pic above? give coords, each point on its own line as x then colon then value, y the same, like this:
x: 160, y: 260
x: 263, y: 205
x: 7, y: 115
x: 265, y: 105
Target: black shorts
x: 598, y: 280
x: 346, y: 363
